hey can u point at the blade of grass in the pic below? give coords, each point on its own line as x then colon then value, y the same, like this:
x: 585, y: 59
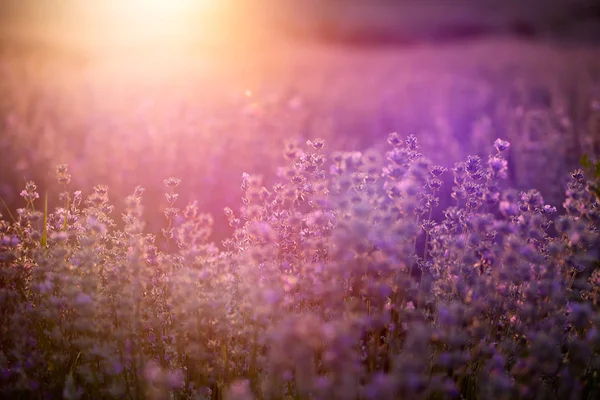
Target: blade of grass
x: 7, y: 209
x: 44, y: 239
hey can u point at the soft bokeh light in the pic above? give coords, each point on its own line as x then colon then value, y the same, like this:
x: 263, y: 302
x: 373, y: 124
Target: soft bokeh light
x: 112, y: 26
x: 134, y: 23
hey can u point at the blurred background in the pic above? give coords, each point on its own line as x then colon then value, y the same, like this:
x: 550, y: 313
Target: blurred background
x: 94, y: 26
x: 130, y: 92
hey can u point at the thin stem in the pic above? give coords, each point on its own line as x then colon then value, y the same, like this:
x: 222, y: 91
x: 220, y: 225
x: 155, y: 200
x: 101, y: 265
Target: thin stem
x: 414, y: 250
x: 64, y: 227
x: 7, y: 209
x: 44, y: 239
x: 572, y: 280
x: 427, y: 236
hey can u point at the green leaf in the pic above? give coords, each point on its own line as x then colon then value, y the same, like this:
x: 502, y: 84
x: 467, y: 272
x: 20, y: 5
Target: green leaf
x: 597, y: 170
x: 585, y: 162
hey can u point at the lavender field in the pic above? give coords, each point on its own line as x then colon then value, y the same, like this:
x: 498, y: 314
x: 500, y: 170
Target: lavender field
x: 301, y: 220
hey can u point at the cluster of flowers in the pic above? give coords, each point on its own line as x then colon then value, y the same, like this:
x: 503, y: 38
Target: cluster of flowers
x: 231, y: 117
x: 339, y: 282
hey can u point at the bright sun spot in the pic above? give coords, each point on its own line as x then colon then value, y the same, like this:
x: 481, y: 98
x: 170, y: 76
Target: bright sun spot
x: 115, y: 23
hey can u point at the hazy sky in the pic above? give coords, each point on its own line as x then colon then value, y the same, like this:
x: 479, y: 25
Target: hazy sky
x: 120, y: 21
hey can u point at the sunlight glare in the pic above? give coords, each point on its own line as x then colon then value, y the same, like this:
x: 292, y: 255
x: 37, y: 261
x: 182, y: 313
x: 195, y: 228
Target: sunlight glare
x: 158, y: 23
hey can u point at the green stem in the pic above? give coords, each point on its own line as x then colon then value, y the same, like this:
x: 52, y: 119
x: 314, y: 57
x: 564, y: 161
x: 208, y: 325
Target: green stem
x: 414, y: 250
x: 427, y: 237
x: 44, y: 239
x: 64, y: 227
x: 572, y: 280
x: 225, y: 356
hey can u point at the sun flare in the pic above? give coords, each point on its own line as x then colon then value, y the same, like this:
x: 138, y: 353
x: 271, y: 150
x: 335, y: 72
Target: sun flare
x: 116, y: 23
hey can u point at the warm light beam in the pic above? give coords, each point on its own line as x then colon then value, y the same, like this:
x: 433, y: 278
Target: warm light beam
x: 127, y: 23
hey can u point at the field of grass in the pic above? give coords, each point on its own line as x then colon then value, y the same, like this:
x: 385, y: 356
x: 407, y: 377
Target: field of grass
x: 357, y: 269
